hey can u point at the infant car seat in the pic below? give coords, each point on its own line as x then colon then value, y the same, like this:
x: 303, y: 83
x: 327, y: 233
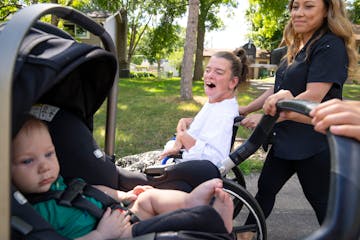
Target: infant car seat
x: 80, y: 156
x: 73, y: 80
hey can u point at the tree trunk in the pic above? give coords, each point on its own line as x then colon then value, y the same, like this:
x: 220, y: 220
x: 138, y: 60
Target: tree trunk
x: 199, y: 68
x: 159, y: 68
x: 189, y: 50
x: 122, y: 42
x: 54, y: 19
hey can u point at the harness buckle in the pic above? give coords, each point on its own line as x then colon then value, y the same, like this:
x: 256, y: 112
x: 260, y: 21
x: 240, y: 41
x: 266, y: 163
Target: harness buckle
x: 75, y: 187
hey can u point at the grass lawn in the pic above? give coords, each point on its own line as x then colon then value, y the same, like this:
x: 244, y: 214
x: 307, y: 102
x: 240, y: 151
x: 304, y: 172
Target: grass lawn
x: 149, y: 109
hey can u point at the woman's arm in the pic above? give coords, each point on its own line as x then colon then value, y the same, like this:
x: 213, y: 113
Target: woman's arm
x: 183, y: 139
x: 256, y: 104
x: 314, y: 92
x: 183, y: 124
x: 252, y: 120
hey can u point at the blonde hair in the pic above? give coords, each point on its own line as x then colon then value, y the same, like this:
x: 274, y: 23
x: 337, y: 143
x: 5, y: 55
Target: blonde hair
x: 32, y: 123
x: 336, y: 21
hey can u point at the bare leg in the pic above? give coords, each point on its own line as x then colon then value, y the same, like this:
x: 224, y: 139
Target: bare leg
x: 157, y: 201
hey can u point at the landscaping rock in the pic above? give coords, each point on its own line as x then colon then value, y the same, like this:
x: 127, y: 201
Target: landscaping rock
x: 138, y: 162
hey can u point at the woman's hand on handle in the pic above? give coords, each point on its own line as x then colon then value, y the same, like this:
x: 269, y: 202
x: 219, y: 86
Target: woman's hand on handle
x: 270, y: 103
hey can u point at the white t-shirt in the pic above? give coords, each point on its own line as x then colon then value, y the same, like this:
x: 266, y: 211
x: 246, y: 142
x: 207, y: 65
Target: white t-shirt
x: 212, y: 129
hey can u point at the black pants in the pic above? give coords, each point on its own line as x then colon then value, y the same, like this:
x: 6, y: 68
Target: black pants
x: 314, y: 178
x: 202, y: 218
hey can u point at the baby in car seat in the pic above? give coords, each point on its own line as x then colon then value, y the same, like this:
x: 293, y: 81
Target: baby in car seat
x: 35, y: 169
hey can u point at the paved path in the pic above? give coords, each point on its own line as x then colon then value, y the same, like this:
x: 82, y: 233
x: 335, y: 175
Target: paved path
x: 292, y: 217
x: 260, y: 84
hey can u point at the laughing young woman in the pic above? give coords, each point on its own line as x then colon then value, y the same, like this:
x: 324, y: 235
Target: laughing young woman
x: 208, y: 134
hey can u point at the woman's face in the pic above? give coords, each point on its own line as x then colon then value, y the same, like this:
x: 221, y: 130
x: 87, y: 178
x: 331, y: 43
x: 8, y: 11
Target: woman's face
x: 219, y: 83
x: 307, y: 16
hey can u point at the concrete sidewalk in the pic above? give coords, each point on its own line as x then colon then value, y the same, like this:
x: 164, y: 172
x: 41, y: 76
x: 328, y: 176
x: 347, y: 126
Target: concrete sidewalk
x: 292, y: 217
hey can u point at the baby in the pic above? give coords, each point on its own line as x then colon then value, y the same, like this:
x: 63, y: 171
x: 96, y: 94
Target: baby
x: 35, y: 169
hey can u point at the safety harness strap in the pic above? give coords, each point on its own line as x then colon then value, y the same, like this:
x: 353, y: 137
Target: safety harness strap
x: 73, y: 196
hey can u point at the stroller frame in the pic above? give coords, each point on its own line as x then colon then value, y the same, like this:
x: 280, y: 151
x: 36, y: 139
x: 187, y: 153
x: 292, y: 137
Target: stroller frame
x: 12, y: 40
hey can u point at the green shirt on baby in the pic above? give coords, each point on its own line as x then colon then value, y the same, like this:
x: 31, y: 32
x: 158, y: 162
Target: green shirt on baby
x: 69, y: 222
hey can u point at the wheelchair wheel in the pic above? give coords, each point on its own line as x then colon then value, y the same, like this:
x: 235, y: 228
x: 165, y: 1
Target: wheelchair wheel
x: 245, y: 204
x: 237, y: 176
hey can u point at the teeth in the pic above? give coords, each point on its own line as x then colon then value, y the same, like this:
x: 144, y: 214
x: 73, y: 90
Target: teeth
x: 210, y: 85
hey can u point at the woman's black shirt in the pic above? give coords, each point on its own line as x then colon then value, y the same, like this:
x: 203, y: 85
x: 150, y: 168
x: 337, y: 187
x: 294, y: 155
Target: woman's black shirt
x: 327, y: 61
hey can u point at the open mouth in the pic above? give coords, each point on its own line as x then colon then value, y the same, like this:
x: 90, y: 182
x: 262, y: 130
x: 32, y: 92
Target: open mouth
x: 210, y: 85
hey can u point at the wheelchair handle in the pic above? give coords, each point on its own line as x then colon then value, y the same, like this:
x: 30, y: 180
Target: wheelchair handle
x: 238, y: 119
x: 264, y: 128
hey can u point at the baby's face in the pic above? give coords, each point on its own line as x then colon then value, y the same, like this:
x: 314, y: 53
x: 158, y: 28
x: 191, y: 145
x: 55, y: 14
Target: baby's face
x: 34, y: 165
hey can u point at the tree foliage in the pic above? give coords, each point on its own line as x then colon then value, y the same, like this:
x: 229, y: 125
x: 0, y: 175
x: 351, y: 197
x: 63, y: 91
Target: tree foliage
x: 159, y: 43
x: 354, y: 11
x: 268, y: 19
x: 137, y: 17
x: 8, y: 7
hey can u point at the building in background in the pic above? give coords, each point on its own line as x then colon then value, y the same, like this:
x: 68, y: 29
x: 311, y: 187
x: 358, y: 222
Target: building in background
x: 84, y: 35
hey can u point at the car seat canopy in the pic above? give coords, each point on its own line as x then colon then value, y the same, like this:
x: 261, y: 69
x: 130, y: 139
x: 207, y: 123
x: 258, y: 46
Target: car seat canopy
x: 62, y: 72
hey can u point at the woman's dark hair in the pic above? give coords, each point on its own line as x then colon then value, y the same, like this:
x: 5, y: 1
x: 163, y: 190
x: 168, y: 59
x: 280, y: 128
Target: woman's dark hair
x: 239, y: 62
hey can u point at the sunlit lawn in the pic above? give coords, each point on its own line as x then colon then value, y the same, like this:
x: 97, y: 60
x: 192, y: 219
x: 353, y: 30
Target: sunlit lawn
x: 149, y: 109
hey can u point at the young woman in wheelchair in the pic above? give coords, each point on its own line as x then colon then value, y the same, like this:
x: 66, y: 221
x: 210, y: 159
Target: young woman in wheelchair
x: 208, y: 134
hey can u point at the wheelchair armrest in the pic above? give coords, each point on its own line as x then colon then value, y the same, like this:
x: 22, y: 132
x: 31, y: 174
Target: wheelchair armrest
x: 175, y: 156
x: 178, y: 155
x: 155, y: 170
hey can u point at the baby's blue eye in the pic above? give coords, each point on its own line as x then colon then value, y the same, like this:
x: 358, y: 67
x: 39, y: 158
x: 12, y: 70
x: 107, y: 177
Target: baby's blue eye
x: 27, y: 161
x: 49, y: 154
